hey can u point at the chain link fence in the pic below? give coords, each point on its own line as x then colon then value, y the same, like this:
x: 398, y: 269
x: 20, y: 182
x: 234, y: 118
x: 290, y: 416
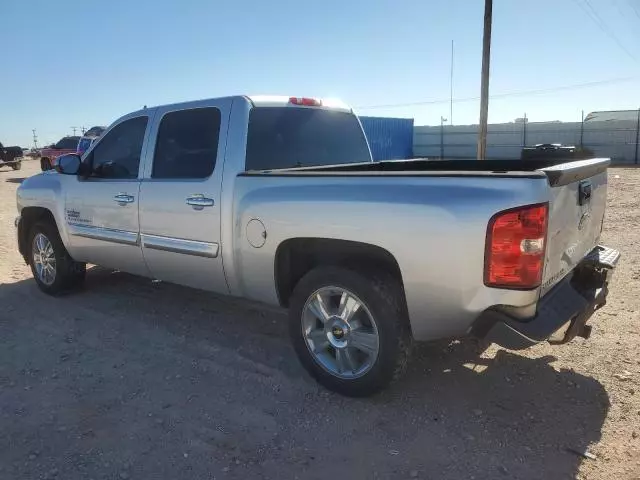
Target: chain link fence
x: 612, y: 134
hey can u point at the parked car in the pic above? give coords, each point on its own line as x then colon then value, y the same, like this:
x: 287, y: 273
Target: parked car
x: 277, y: 200
x: 89, y: 138
x: 11, y: 157
x: 33, y: 153
x: 555, y: 150
x: 49, y: 154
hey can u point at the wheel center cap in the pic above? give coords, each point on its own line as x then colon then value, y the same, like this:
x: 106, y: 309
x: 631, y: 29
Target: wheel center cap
x: 337, y: 332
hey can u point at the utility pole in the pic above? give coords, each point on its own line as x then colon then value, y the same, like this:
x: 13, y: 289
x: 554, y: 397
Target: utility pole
x: 35, y: 139
x: 74, y: 130
x: 451, y: 88
x: 637, y: 137
x: 582, y: 130
x: 442, y: 120
x: 484, y: 84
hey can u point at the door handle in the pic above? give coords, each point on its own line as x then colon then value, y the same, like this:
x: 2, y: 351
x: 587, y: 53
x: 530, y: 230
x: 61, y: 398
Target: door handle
x: 123, y: 198
x: 198, y: 202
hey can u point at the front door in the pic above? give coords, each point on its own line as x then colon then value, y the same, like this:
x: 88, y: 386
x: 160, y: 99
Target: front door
x: 102, y: 210
x: 180, y: 196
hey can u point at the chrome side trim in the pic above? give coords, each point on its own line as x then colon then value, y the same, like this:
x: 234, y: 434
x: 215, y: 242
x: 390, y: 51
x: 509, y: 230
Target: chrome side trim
x: 104, y: 234
x: 179, y: 245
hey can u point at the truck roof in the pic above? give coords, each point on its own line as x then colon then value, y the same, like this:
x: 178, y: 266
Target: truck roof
x: 282, y: 101
x: 264, y: 101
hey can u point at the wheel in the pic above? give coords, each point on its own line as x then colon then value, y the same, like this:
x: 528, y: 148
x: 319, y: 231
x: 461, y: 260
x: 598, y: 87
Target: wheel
x: 53, y: 269
x: 17, y: 166
x: 44, y: 164
x: 350, y: 331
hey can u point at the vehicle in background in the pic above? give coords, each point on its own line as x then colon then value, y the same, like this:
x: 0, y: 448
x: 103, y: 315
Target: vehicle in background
x: 89, y: 138
x: 11, y: 157
x: 33, y: 153
x: 95, y: 131
x: 49, y: 154
x: 555, y: 150
x: 278, y: 200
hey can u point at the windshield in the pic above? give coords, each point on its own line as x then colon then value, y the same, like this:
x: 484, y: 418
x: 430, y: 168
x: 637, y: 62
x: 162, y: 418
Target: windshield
x: 286, y: 137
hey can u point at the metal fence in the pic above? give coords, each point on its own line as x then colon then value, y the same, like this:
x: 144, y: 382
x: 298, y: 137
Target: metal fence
x: 607, y: 134
x: 389, y: 138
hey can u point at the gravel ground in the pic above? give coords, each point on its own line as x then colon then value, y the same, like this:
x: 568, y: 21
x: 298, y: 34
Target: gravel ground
x: 135, y: 379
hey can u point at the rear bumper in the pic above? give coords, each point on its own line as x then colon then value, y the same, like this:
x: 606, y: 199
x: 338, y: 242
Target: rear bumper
x: 562, y: 314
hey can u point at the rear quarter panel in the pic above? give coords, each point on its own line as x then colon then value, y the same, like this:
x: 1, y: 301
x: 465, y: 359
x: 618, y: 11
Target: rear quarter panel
x: 434, y: 227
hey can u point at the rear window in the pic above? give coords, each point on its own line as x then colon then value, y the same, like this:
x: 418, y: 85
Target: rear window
x: 286, y: 137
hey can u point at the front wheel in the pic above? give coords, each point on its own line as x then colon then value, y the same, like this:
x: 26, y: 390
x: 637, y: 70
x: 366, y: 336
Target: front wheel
x: 53, y: 268
x: 350, y: 331
x: 17, y: 166
x: 45, y: 164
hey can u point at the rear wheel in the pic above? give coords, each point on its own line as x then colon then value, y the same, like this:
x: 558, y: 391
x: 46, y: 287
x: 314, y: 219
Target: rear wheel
x: 45, y: 164
x: 53, y: 269
x: 350, y: 331
x: 17, y: 166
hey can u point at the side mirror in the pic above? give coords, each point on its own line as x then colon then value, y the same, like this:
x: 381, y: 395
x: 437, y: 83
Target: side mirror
x: 68, y: 164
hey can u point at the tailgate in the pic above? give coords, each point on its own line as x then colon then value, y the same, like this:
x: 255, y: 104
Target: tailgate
x: 576, y: 211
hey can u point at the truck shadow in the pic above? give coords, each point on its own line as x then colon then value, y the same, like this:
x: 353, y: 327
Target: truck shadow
x: 454, y: 415
x: 16, y: 180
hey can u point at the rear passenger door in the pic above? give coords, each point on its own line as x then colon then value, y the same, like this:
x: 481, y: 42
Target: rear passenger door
x: 180, y: 196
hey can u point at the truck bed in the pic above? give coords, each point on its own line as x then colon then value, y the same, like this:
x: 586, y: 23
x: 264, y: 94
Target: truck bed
x: 558, y: 171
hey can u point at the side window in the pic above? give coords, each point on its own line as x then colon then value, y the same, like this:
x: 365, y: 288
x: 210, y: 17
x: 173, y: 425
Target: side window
x: 187, y: 144
x: 118, y: 153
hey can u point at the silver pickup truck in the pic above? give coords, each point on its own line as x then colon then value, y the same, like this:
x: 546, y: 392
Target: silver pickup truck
x: 277, y: 200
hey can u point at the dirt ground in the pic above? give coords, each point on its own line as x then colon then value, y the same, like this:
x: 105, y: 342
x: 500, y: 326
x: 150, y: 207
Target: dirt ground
x: 140, y: 380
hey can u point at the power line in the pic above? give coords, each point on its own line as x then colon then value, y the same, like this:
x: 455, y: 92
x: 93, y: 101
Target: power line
x: 623, y: 13
x: 522, y: 93
x: 591, y: 12
x: 617, y: 4
x: 634, y: 7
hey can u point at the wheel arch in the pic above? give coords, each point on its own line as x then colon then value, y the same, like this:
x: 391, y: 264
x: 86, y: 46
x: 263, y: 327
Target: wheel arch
x: 297, y: 256
x: 29, y: 216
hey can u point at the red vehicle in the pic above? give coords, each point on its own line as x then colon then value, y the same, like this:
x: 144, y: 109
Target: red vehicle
x: 49, y: 154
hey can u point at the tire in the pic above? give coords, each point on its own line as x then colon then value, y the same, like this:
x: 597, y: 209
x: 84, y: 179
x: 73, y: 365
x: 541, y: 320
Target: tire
x: 68, y: 274
x: 44, y: 164
x: 382, y: 299
x: 17, y: 166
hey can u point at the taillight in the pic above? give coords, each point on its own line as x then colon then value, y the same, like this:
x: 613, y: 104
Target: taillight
x: 307, y: 102
x: 514, y: 256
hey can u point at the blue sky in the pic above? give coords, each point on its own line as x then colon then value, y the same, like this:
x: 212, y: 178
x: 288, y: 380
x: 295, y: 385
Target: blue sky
x: 72, y: 63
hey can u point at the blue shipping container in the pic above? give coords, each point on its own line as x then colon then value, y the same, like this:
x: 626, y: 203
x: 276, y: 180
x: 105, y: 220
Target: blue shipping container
x: 389, y: 138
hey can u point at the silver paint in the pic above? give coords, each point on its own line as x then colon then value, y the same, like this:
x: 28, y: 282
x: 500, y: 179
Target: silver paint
x: 179, y: 245
x: 433, y: 226
x: 104, y: 234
